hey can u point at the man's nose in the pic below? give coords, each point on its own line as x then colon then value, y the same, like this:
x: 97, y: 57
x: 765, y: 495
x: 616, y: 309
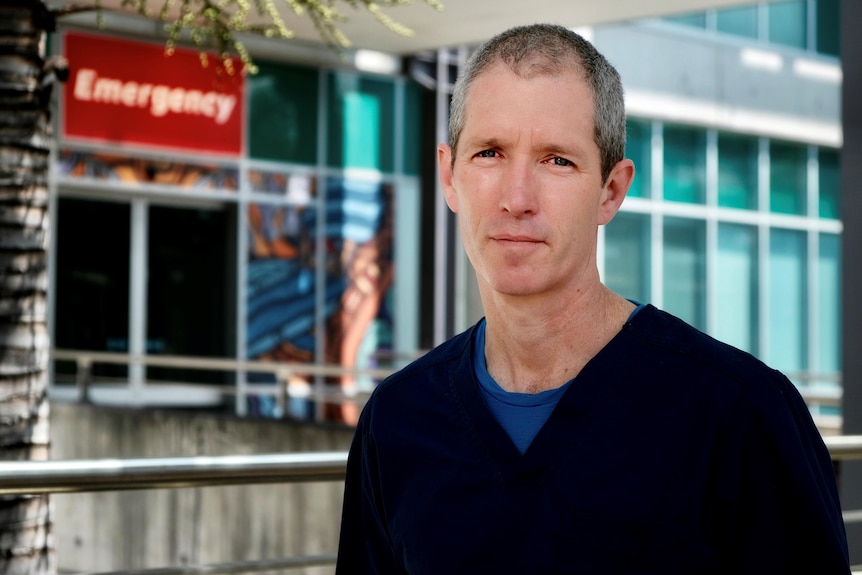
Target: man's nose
x: 518, y: 189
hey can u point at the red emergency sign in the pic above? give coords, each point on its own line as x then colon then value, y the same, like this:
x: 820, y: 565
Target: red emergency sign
x: 121, y: 91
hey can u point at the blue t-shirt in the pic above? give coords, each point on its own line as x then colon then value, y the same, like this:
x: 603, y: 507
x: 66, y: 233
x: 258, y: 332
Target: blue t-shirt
x: 522, y: 415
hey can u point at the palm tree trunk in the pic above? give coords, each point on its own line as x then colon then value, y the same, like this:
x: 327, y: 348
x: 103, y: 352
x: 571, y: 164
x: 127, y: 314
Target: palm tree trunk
x: 26, y: 538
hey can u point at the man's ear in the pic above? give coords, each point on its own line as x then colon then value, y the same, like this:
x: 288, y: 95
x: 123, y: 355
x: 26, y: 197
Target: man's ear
x: 444, y: 166
x: 615, y: 189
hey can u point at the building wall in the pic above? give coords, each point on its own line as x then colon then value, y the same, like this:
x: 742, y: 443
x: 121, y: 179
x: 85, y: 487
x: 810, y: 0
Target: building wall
x: 744, y: 85
x: 125, y: 530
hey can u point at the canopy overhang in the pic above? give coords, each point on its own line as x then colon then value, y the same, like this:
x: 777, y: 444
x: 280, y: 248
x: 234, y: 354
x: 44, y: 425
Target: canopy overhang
x: 466, y: 22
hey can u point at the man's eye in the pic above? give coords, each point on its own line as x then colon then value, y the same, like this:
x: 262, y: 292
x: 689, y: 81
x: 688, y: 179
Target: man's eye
x: 558, y: 161
x: 487, y: 154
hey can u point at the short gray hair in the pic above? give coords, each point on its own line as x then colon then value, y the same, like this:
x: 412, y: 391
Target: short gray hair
x: 550, y: 49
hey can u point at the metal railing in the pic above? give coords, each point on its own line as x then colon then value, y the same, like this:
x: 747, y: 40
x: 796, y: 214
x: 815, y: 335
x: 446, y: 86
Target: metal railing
x: 87, y: 475
x: 75, y: 476
x: 92, y: 475
x: 844, y: 447
x: 293, y: 379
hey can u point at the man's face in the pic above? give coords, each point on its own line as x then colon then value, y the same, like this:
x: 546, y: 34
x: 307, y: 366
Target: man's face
x: 526, y: 183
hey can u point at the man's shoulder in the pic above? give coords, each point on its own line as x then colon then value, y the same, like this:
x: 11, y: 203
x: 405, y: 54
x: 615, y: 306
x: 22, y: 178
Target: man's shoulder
x: 424, y: 386
x: 431, y: 366
x: 665, y: 335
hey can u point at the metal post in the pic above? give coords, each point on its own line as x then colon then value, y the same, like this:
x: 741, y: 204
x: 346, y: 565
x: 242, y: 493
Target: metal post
x: 82, y: 378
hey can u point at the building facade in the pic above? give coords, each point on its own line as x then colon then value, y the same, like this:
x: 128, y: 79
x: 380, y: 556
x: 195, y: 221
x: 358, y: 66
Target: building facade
x: 314, y: 232
x: 734, y: 222
x: 198, y: 212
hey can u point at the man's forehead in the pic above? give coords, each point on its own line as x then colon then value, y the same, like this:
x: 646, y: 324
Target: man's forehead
x: 480, y: 86
x: 527, y: 71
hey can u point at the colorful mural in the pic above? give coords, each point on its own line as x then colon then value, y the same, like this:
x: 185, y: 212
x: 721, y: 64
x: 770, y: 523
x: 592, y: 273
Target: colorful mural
x: 280, y: 286
x: 129, y: 170
x: 359, y: 226
x: 281, y: 281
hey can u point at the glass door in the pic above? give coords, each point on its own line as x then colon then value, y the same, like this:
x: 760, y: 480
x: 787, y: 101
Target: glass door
x: 191, y: 289
x: 92, y: 283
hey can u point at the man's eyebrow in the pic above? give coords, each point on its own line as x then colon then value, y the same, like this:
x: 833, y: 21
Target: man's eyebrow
x: 555, y: 149
x: 562, y: 151
x: 484, y: 144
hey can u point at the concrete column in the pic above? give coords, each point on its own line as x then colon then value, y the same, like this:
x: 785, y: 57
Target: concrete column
x: 851, y: 214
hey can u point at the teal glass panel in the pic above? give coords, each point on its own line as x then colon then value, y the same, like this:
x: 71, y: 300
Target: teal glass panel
x: 282, y: 113
x: 684, y: 273
x: 638, y: 138
x: 829, y: 305
x: 829, y: 27
x: 787, y: 24
x: 696, y: 20
x: 829, y: 182
x: 684, y: 164
x: 361, y: 122
x: 737, y: 171
x: 787, y: 177
x: 736, y: 286
x: 413, y: 128
x: 737, y: 21
x: 788, y: 298
x: 627, y: 256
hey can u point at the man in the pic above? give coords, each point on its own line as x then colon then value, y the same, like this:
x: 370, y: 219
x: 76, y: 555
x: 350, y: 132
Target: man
x: 571, y: 430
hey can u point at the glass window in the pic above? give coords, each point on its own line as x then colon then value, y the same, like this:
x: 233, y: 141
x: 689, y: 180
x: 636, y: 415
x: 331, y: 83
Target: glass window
x: 697, y: 19
x: 638, y: 139
x: 829, y: 27
x: 787, y: 177
x: 92, y: 307
x: 190, y: 289
x: 787, y: 301
x: 829, y: 182
x: 684, y: 164
x: 737, y: 171
x: 787, y: 24
x: 282, y: 115
x: 360, y: 221
x: 829, y: 305
x: 359, y: 273
x: 737, y: 21
x: 627, y: 256
x: 361, y: 123
x: 413, y: 151
x: 684, y: 273
x: 280, y: 294
x: 736, y: 286
x: 280, y: 282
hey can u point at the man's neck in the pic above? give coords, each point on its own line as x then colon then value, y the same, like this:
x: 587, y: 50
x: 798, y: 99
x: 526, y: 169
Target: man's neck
x: 542, y: 345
